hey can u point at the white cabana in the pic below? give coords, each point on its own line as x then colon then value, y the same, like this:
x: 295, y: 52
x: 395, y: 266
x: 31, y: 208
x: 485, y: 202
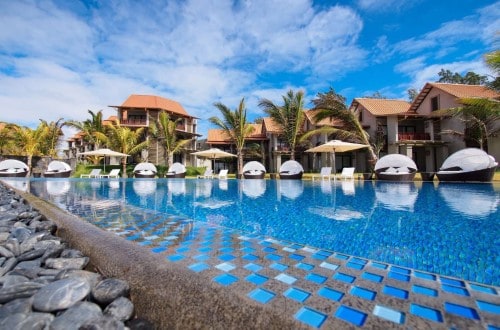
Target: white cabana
x: 291, y: 169
x: 176, y: 170
x: 395, y: 167
x: 13, y: 168
x: 254, y: 170
x: 470, y: 164
x: 57, y: 169
x: 145, y: 170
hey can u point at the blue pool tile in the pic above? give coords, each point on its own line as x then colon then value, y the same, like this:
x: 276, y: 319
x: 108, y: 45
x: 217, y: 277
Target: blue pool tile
x: 426, y: 312
x: 278, y: 266
x: 425, y: 276
x: 226, y: 250
x: 261, y: 295
x: 493, y: 327
x: 399, y: 277
x: 201, y: 257
x: 389, y: 314
x: 461, y: 310
x: 304, y: 266
x: 329, y: 266
x: 250, y: 257
x: 247, y: 250
x: 296, y: 256
x: 253, y: 267
x: 331, y: 294
x: 351, y: 315
x: 285, y: 278
x: 341, y: 256
x: 256, y: 279
x: 400, y: 270
x: 226, y: 266
x: 182, y: 250
x: 359, y: 261
x: 363, y: 293
x: 378, y: 265
x: 175, y: 257
x: 225, y: 279
x: 372, y: 277
x: 455, y: 290
x: 268, y: 249
x: 205, y: 249
x: 316, y: 278
x: 273, y: 257
x: 395, y: 292
x: 450, y: 281
x: 145, y: 243
x: 227, y: 257
x: 488, y: 307
x: 199, y: 267
x: 344, y: 277
x: 319, y: 256
x: 425, y: 290
x: 296, y: 294
x: 310, y: 317
x: 483, y: 288
x: 159, y: 249
x: 355, y: 265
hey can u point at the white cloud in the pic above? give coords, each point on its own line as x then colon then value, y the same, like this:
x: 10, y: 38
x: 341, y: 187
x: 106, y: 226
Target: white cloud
x: 385, y: 5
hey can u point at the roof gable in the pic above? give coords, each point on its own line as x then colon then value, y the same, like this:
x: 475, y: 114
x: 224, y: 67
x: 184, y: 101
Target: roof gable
x: 153, y: 102
x: 220, y: 136
x: 270, y: 126
x: 381, y: 107
x: 324, y: 122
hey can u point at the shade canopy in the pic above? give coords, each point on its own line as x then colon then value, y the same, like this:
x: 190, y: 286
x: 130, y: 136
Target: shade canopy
x: 254, y: 166
x: 12, y: 164
x: 395, y: 161
x: 103, y: 152
x: 334, y: 146
x: 177, y: 168
x: 291, y: 167
x: 145, y: 167
x: 58, y: 166
x: 213, y: 153
x: 469, y: 159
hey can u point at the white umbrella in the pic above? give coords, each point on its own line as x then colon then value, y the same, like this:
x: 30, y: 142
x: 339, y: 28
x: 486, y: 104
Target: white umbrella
x: 213, y: 153
x: 103, y: 152
x: 334, y: 146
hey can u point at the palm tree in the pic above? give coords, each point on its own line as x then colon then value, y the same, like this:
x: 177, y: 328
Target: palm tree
x: 53, y: 133
x: 481, y: 117
x: 163, y: 131
x: 333, y: 105
x: 125, y: 140
x: 235, y: 126
x: 93, y: 129
x: 289, y: 116
x: 29, y: 140
x: 6, y: 141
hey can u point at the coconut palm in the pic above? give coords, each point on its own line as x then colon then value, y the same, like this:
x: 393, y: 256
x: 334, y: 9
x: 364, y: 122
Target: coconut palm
x: 29, y: 140
x: 235, y: 126
x: 125, y: 140
x: 53, y: 133
x: 289, y: 116
x: 163, y: 130
x: 93, y: 129
x: 481, y: 117
x: 333, y: 105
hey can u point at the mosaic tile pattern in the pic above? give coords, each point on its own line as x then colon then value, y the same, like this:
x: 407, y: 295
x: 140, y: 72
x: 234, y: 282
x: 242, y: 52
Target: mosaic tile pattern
x: 324, y: 289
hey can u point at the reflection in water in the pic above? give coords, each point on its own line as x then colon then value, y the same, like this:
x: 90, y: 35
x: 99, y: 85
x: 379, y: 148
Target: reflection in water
x: 253, y: 188
x: 177, y: 186
x: 213, y: 204
x: 58, y: 188
x: 144, y: 187
x: 19, y: 184
x: 348, y: 187
x: 203, y: 188
x: 339, y: 214
x: 396, y: 195
x: 472, y: 200
x: 291, y: 188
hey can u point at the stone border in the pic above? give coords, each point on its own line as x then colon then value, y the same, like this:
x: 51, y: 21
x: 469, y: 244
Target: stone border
x: 167, y: 295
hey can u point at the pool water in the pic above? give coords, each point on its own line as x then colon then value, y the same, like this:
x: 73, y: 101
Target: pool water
x: 449, y: 229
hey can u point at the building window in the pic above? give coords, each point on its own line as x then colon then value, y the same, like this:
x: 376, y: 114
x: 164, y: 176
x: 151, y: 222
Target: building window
x: 435, y: 103
x: 361, y: 115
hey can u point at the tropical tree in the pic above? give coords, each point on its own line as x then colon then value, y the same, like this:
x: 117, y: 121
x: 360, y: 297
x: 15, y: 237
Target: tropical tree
x: 481, y: 117
x: 235, y: 126
x: 493, y: 61
x: 93, y: 129
x: 6, y: 142
x: 289, y: 116
x: 125, y: 140
x: 470, y: 78
x: 163, y: 130
x: 333, y: 105
x: 53, y: 135
x: 29, y: 140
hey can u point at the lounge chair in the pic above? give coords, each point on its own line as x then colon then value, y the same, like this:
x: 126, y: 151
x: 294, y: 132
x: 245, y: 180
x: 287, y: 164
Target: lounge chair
x: 115, y: 173
x: 145, y: 170
x: 176, y: 170
x: 13, y: 168
x: 470, y: 164
x: 223, y: 174
x: 95, y: 173
x: 57, y: 169
x: 209, y: 174
x: 325, y: 173
x: 347, y: 173
x: 395, y: 167
x: 291, y: 170
x: 254, y: 170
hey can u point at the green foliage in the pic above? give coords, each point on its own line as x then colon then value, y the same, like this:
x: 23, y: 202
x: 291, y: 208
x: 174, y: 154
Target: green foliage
x: 161, y: 170
x: 194, y: 171
x: 470, y: 78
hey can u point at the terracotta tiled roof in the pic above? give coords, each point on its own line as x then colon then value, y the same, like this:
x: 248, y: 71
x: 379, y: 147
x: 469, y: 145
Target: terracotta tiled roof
x: 2, y: 125
x: 110, y: 121
x: 324, y: 122
x: 381, y: 107
x: 153, y: 102
x: 457, y: 90
x: 271, y: 126
x: 215, y: 136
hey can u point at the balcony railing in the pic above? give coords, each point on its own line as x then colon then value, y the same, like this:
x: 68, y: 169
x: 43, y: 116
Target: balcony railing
x: 134, y: 122
x: 413, y: 136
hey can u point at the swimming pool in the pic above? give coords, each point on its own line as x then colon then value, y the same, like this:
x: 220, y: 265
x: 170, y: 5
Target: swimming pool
x: 449, y: 229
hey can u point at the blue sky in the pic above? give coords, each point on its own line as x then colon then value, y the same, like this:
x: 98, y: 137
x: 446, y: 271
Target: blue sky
x: 59, y: 58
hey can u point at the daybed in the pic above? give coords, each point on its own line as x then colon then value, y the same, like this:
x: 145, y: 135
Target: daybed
x: 145, y: 170
x: 13, y: 168
x: 470, y: 164
x: 254, y: 170
x: 176, y: 170
x: 395, y: 167
x: 57, y: 169
x: 291, y: 170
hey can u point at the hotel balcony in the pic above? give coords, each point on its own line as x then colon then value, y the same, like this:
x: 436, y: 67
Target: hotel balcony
x: 134, y: 122
x: 414, y: 137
